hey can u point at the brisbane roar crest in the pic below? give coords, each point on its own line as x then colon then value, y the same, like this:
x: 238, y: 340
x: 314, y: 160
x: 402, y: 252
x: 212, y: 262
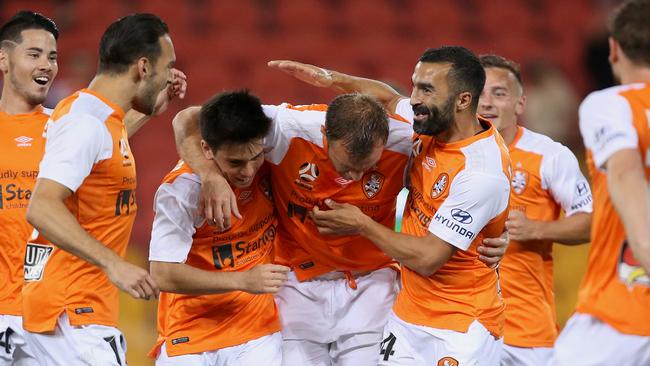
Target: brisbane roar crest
x: 630, y: 270
x: 447, y: 361
x: 440, y: 186
x: 372, y: 183
x: 519, y: 181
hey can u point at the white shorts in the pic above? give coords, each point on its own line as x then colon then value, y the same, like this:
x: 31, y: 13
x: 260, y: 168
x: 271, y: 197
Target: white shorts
x: 586, y: 340
x: 96, y: 345
x: 14, y: 348
x: 525, y: 356
x: 325, y: 322
x: 409, y: 344
x: 266, y: 350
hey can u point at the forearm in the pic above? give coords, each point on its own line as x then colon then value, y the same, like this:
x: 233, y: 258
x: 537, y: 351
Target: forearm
x: 571, y: 230
x: 187, y: 135
x: 417, y: 253
x: 185, y: 279
x: 56, y: 223
x: 134, y: 120
x: 383, y: 92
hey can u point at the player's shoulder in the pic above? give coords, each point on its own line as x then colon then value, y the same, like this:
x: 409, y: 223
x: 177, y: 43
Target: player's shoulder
x: 538, y: 143
x: 608, y: 100
x: 299, y: 121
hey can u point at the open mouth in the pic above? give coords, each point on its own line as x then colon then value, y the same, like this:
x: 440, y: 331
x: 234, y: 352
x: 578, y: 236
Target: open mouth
x: 42, y: 80
x: 420, y: 113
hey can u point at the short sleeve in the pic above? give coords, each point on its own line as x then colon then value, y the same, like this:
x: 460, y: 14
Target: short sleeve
x: 176, y: 219
x: 404, y: 109
x: 474, y: 200
x: 568, y: 186
x: 606, y: 125
x: 74, y: 144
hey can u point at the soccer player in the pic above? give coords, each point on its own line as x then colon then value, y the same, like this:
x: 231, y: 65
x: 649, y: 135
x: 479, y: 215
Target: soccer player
x: 612, y: 320
x: 546, y: 180
x: 216, y: 306
x: 28, y: 61
x: 83, y: 205
x: 449, y: 310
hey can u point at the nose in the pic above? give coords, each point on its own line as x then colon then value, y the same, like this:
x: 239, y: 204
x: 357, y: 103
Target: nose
x: 485, y: 102
x: 248, y: 170
x: 355, y: 175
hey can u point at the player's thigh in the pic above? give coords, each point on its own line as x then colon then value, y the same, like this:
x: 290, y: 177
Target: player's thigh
x: 476, y: 346
x: 197, y: 359
x: 266, y: 350
x: 522, y: 356
x: 356, y: 349
x: 395, y: 348
x: 586, y: 340
x: 303, y: 352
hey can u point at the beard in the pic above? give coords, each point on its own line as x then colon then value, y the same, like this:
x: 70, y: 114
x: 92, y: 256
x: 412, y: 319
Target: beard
x: 438, y: 120
x: 146, y: 102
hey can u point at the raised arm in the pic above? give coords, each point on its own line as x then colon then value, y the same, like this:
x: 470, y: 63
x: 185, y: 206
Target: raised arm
x: 217, y: 198
x: 341, y: 82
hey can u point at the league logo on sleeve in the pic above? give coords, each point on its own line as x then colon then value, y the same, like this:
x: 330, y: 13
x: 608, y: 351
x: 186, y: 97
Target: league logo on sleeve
x: 630, y: 270
x: 372, y: 183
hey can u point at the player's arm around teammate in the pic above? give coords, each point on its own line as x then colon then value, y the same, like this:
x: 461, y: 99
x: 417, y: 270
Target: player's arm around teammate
x: 493, y: 249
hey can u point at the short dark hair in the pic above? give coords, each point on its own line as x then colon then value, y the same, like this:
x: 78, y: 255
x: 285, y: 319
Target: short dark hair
x: 502, y: 63
x: 233, y: 117
x: 630, y: 28
x: 129, y: 38
x: 24, y: 20
x: 359, y: 121
x: 466, y: 74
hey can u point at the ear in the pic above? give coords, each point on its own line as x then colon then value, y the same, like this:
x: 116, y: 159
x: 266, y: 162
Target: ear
x: 4, y: 60
x: 614, y: 50
x: 463, y: 101
x: 207, y: 151
x: 520, y: 107
x: 144, y: 67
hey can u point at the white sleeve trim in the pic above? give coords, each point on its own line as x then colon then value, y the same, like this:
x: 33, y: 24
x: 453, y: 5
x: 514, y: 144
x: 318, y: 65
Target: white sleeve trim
x: 74, y: 144
x: 474, y: 200
x: 176, y: 219
x: 566, y: 183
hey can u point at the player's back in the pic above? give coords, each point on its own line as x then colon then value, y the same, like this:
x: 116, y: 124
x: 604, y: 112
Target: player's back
x: 21, y: 148
x: 103, y: 202
x: 615, y: 289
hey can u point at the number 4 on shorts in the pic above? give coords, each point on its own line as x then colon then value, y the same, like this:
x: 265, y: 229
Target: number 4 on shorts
x: 386, y: 346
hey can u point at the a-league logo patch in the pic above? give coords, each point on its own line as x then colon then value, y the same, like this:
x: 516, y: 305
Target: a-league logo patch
x: 372, y: 184
x: 440, y: 186
x: 519, y: 181
x: 447, y: 361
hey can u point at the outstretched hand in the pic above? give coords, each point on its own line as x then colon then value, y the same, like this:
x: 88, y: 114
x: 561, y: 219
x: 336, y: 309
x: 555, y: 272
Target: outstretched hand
x: 310, y: 74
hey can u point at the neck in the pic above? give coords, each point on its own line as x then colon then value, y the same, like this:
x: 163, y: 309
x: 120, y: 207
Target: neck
x: 635, y: 74
x: 509, y: 133
x: 13, y: 103
x: 119, y: 89
x: 465, y: 126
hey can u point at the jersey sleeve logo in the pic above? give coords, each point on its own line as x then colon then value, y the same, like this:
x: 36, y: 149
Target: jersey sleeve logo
x: 447, y: 361
x: 461, y: 216
x: 372, y: 184
x: 630, y: 270
x: 519, y: 181
x: 440, y: 186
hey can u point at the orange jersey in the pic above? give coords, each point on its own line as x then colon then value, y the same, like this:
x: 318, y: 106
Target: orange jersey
x: 615, y: 289
x: 303, y: 177
x: 194, y: 324
x: 546, y: 180
x: 21, y: 149
x: 458, y: 192
x: 87, y: 151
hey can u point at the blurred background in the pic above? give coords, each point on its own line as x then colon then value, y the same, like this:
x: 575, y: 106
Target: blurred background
x: 225, y: 44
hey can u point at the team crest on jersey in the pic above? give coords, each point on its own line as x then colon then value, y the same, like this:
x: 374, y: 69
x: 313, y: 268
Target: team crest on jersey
x: 447, y: 361
x: 307, y: 174
x: 519, y: 181
x: 36, y: 257
x: 265, y: 187
x: 372, y: 183
x: 416, y: 149
x: 440, y: 186
x: 630, y: 270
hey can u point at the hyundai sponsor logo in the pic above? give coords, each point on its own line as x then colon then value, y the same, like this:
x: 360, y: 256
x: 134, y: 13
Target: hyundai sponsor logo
x: 461, y: 216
